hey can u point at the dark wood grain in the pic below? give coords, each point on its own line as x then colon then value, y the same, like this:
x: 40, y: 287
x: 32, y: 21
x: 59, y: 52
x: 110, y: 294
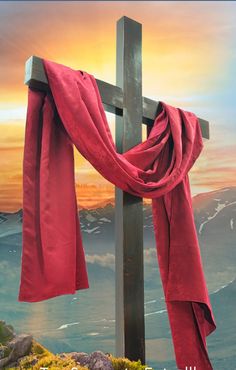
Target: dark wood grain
x: 112, y: 96
x: 130, y: 329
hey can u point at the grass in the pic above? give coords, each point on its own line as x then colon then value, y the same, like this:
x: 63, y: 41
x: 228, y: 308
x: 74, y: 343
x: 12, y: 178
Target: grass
x: 45, y: 358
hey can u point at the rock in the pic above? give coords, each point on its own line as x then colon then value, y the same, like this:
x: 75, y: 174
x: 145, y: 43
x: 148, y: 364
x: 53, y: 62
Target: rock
x: 32, y: 360
x: 4, y: 351
x: 19, y: 346
x: 78, y: 356
x: 14, y: 348
x: 95, y: 361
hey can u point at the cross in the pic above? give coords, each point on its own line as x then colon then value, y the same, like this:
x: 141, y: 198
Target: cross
x: 132, y: 109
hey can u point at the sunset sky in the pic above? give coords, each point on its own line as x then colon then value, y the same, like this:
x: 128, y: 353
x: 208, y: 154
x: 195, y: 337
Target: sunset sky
x: 189, y: 58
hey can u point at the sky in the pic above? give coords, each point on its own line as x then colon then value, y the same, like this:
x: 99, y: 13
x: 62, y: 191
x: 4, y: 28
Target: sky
x: 188, y: 50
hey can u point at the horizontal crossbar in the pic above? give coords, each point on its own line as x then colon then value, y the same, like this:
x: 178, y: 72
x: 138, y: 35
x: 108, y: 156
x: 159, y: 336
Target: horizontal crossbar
x: 112, y: 96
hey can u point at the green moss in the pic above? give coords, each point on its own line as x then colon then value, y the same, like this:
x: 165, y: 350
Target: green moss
x: 54, y: 362
x: 45, y: 358
x: 39, y: 350
x: 125, y: 363
x: 6, y: 332
x: 26, y: 362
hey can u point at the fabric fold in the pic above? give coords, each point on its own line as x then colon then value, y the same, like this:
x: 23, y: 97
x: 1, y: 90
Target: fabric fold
x: 53, y: 260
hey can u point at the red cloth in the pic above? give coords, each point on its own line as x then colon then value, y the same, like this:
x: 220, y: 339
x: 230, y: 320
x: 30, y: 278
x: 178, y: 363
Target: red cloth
x: 53, y: 260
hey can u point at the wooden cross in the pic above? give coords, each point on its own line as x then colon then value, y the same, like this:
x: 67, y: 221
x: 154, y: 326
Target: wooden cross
x: 131, y: 110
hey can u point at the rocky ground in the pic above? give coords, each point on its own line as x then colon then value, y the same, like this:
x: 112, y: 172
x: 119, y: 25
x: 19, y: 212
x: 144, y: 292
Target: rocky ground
x: 21, y: 351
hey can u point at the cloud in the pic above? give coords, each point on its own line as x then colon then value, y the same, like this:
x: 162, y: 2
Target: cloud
x: 12, y: 113
x: 188, y: 61
x: 150, y: 256
x: 108, y: 259
x: 105, y: 260
x: 8, y: 275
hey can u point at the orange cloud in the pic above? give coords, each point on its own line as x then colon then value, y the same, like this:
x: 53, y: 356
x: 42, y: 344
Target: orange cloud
x: 187, y: 56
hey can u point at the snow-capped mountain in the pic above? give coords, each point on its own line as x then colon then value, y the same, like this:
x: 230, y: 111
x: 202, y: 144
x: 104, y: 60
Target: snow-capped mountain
x: 208, y: 207
x: 93, y: 309
x: 215, y: 224
x: 215, y: 218
x: 222, y: 343
x: 98, y: 225
x: 10, y: 223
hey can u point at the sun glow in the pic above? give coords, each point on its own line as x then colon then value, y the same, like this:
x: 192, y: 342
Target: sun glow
x: 188, y: 62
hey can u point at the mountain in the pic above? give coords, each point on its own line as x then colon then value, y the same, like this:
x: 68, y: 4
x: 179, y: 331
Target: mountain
x: 215, y: 218
x: 209, y: 207
x: 10, y: 223
x: 99, y: 224
x: 222, y: 343
x: 214, y: 214
x: 85, y: 319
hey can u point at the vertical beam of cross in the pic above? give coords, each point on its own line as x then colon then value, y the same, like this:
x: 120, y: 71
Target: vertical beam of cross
x: 130, y: 327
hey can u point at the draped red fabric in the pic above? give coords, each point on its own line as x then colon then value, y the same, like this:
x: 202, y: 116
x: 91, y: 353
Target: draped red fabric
x: 53, y: 259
